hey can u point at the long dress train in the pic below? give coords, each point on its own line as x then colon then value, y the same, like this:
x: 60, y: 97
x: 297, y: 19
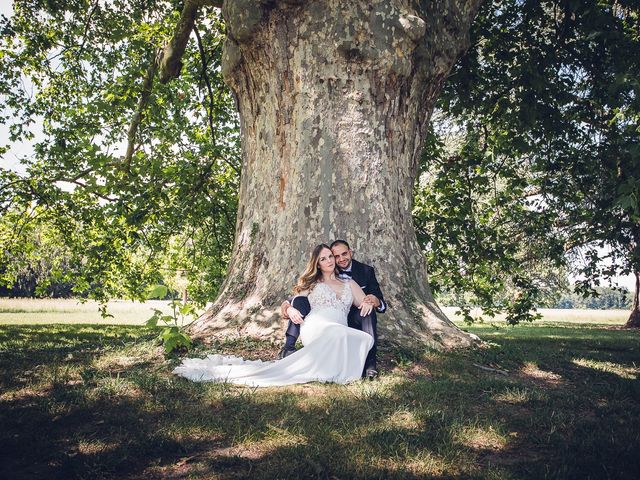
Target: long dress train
x: 333, y: 352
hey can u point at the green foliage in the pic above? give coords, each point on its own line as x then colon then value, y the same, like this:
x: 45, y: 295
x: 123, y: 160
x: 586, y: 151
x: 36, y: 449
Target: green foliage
x: 39, y: 265
x: 78, y: 67
x: 173, y: 335
x: 485, y: 247
x: 601, y: 298
x: 157, y: 291
x: 174, y: 339
x: 545, y: 108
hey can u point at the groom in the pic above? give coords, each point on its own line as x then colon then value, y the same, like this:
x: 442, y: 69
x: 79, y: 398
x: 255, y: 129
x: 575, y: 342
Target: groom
x: 363, y: 275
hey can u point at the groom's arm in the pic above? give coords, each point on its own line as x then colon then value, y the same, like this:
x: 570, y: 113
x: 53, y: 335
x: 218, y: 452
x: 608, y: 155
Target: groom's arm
x: 374, y: 289
x: 284, y: 307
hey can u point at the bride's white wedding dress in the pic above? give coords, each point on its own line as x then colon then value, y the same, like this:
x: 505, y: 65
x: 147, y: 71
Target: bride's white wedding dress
x: 333, y: 352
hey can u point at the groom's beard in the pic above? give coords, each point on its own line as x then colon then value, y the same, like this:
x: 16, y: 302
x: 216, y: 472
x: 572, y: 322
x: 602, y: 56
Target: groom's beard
x: 348, y: 267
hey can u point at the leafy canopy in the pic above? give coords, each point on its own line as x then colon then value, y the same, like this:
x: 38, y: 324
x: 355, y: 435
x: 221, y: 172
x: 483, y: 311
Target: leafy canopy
x: 87, y: 71
x: 534, y: 153
x: 544, y: 113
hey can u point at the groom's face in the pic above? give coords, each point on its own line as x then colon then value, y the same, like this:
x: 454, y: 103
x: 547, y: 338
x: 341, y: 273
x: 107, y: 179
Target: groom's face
x: 342, y: 255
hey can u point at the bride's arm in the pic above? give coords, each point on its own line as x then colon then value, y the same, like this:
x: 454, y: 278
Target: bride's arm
x: 358, y: 299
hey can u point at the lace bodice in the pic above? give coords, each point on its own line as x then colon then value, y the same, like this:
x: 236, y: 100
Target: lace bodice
x: 323, y: 296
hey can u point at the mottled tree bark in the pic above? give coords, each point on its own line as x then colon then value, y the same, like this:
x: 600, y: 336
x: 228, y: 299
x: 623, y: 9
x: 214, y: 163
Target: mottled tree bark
x: 634, y: 318
x: 334, y: 99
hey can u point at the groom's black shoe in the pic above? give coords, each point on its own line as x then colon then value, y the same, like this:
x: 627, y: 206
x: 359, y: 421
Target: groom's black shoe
x: 284, y: 352
x: 371, y: 373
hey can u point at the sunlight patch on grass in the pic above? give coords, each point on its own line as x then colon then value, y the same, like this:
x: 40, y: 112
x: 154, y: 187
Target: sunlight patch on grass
x: 282, y: 437
x: 119, y: 361
x: 93, y: 447
x: 115, y: 361
x: 273, y: 439
x: 373, y: 391
x: 25, y: 311
x: 23, y: 395
x: 531, y: 369
x: 479, y: 437
x: 553, y: 315
x: 404, y: 419
x: 115, y: 387
x: 248, y: 451
x: 419, y: 465
x: 519, y: 395
x: 629, y: 373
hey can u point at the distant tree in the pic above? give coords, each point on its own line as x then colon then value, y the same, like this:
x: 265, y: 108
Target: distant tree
x: 485, y: 247
x: 40, y: 267
x: 602, y: 298
x: 547, y: 99
x: 136, y: 177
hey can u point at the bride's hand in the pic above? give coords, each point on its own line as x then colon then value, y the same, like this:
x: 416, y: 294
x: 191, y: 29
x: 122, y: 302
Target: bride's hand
x: 294, y: 315
x: 365, y: 308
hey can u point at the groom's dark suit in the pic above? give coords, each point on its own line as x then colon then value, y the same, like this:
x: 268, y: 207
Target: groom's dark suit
x: 365, y: 276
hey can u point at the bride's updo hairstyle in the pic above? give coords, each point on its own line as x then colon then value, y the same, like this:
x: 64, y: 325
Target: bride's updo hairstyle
x: 312, y: 273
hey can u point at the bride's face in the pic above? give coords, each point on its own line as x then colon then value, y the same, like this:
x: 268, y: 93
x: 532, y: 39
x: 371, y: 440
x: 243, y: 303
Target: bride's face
x: 326, y: 262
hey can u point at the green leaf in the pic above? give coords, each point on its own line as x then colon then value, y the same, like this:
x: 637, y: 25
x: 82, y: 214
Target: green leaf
x: 153, y: 321
x: 187, y: 309
x: 157, y: 291
x: 173, y: 339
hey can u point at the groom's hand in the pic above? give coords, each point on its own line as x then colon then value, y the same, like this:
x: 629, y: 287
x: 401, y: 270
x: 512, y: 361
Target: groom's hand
x: 283, y: 310
x: 372, y: 299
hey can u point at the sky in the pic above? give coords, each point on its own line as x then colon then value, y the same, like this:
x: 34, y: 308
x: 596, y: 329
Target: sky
x: 22, y: 149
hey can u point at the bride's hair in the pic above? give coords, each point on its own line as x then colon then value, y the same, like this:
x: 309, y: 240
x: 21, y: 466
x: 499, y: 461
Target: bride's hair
x: 312, y: 273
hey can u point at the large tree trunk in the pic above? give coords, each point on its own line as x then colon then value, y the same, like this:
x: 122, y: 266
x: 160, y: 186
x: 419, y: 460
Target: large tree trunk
x: 334, y: 97
x: 634, y: 318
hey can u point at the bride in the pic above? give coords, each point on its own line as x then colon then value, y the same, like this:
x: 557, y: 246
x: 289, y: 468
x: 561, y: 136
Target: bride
x: 333, y: 352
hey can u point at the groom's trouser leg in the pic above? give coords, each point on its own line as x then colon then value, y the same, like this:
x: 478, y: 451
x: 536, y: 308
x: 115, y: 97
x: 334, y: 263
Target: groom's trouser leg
x: 293, y: 330
x: 367, y: 324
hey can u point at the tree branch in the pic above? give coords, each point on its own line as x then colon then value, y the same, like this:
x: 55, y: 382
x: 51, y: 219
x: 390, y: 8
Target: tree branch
x: 207, y: 81
x: 94, y: 7
x: 171, y: 62
x: 144, y: 98
x: 91, y: 191
x: 205, y: 77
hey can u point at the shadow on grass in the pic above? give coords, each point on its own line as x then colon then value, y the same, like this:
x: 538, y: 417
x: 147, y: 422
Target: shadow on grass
x: 552, y: 416
x: 571, y: 400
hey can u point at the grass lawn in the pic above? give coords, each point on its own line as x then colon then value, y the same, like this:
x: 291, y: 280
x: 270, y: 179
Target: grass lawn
x: 44, y: 310
x: 98, y: 401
